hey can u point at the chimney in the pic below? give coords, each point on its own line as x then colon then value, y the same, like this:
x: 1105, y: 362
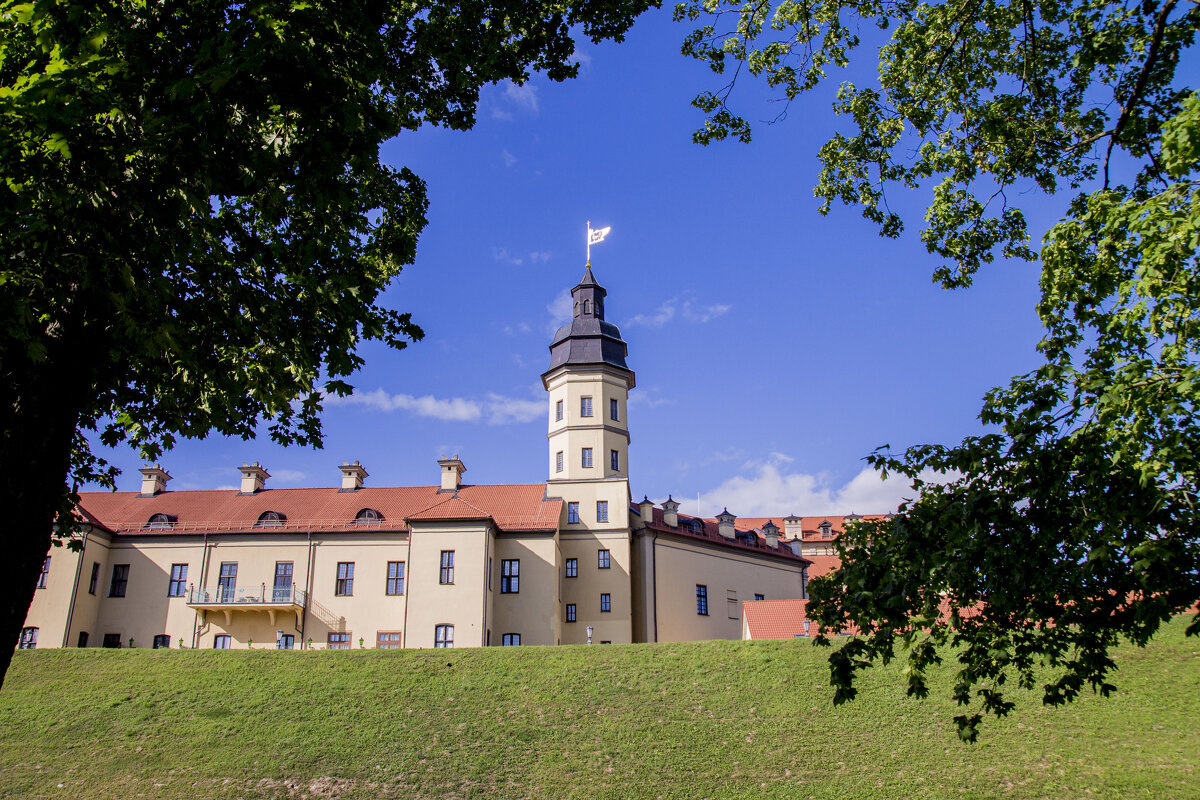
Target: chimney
x: 725, y: 524
x: 352, y: 476
x: 771, y: 533
x: 154, y: 480
x: 671, y: 512
x: 452, y: 470
x: 254, y: 477
x: 793, y: 527
x: 646, y: 511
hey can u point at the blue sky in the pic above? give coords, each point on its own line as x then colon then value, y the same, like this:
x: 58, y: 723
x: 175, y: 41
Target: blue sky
x: 774, y: 348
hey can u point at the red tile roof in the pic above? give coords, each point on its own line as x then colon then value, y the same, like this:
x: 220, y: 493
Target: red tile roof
x: 778, y: 619
x: 512, y: 507
x: 708, y: 531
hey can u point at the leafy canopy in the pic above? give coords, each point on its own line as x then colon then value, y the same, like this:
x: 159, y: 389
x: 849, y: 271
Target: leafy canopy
x: 1074, y: 522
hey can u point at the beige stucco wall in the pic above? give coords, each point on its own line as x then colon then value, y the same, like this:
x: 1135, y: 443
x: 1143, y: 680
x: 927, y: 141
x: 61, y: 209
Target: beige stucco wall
x: 584, y: 591
x: 50, y: 607
x: 467, y: 603
x: 534, y: 611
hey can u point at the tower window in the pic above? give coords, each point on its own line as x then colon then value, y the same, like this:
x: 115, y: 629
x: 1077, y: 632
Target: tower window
x: 587, y: 307
x: 614, y: 460
x: 585, y: 406
x: 601, y: 511
x: 558, y: 410
x: 614, y: 409
x: 572, y: 512
x: 558, y: 461
x: 587, y: 457
x: 603, y: 560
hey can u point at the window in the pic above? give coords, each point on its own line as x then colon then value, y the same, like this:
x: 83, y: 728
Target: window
x: 601, y: 511
x: 160, y: 522
x: 614, y: 460
x: 387, y: 640
x: 120, y: 580
x: 701, y: 599
x: 572, y: 512
x: 281, y: 591
x: 83, y: 639
x: 570, y: 612
x: 585, y: 406
x: 587, y: 457
x: 602, y: 559
x: 443, y: 636
x: 558, y: 461
x: 760, y: 597
x: 41, y: 584
x: 606, y: 602
x: 222, y: 641
x: 614, y: 409
x: 510, y: 576
x: 345, y: 579
x: 114, y: 640
x: 572, y: 567
x: 95, y: 577
x: 338, y: 641
x: 510, y: 640
x: 368, y: 516
x: 447, y: 573
x: 161, y: 641
x: 178, y: 580
x: 395, y: 577
x: 270, y: 519
x: 227, y: 583
x: 28, y: 640
x: 286, y: 641
x: 558, y: 411
x: 731, y: 604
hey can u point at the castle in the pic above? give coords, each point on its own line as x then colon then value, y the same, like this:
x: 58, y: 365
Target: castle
x: 573, y: 560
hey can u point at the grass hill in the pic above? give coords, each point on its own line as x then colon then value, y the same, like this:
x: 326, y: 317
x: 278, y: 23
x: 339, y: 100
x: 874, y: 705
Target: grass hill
x: 704, y: 719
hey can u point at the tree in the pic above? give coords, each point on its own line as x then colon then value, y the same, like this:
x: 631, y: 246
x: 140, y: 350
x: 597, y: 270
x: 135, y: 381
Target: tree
x: 1072, y: 523
x: 196, y: 223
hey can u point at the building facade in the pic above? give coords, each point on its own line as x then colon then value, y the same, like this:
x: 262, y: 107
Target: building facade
x: 568, y: 561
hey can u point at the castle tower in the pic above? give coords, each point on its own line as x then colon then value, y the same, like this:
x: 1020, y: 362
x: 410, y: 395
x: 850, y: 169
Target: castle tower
x: 588, y: 385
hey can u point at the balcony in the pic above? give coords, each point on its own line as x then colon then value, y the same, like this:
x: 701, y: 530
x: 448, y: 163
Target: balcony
x: 231, y: 599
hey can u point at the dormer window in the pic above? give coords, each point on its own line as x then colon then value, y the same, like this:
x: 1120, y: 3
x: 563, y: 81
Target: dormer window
x: 161, y: 522
x: 587, y: 307
x: 368, y: 516
x: 270, y: 519
x: 826, y: 529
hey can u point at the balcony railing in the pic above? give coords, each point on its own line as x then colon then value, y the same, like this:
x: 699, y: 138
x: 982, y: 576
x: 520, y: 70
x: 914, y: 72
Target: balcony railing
x: 233, y: 595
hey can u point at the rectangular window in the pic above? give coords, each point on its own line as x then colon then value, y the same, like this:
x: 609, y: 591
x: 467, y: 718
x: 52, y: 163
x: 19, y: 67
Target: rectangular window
x: 731, y: 604
x: 227, y: 583
x: 572, y: 567
x: 395, y: 577
x: 760, y: 597
x: 222, y: 641
x: 587, y: 457
x: 606, y: 602
x: 112, y: 640
x: 558, y: 411
x: 572, y: 512
x: 510, y: 575
x: 95, y: 577
x: 345, y: 579
x: 447, y: 573
x: 28, y: 640
x: 281, y: 591
x: 161, y: 641
x: 585, y: 406
x: 603, y: 561
x: 601, y: 511
x: 338, y: 641
x: 83, y: 639
x: 558, y: 461
x: 614, y: 410
x: 120, y: 580
x: 701, y: 599
x: 510, y: 640
x: 443, y: 636
x: 41, y: 584
x: 285, y: 642
x: 570, y: 612
x: 178, y: 580
x: 387, y: 640
x: 614, y: 460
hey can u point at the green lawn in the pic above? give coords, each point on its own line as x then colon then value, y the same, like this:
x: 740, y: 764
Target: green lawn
x: 704, y: 719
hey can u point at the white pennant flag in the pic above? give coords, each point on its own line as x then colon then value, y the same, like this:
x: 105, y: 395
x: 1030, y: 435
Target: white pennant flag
x: 597, y: 236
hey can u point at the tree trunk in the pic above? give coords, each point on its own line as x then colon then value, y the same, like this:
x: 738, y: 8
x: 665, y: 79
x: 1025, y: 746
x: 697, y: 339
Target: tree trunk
x: 40, y: 406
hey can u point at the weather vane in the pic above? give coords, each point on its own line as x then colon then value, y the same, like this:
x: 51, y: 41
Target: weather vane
x: 594, y: 237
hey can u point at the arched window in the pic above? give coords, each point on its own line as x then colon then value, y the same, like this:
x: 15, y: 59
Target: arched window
x: 368, y: 516
x: 587, y: 307
x: 160, y: 522
x: 270, y: 519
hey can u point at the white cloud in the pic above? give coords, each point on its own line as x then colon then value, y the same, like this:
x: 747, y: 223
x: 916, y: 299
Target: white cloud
x: 501, y: 254
x: 559, y: 310
x: 520, y: 327
x: 583, y: 57
x: 288, y: 475
x: 704, y: 314
x: 664, y: 314
x: 539, y: 256
x: 227, y: 487
x: 454, y: 409
x: 508, y: 410
x: 686, y: 306
x: 770, y: 489
x: 523, y: 97
x: 648, y: 397
x: 509, y: 158
x: 501, y: 114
